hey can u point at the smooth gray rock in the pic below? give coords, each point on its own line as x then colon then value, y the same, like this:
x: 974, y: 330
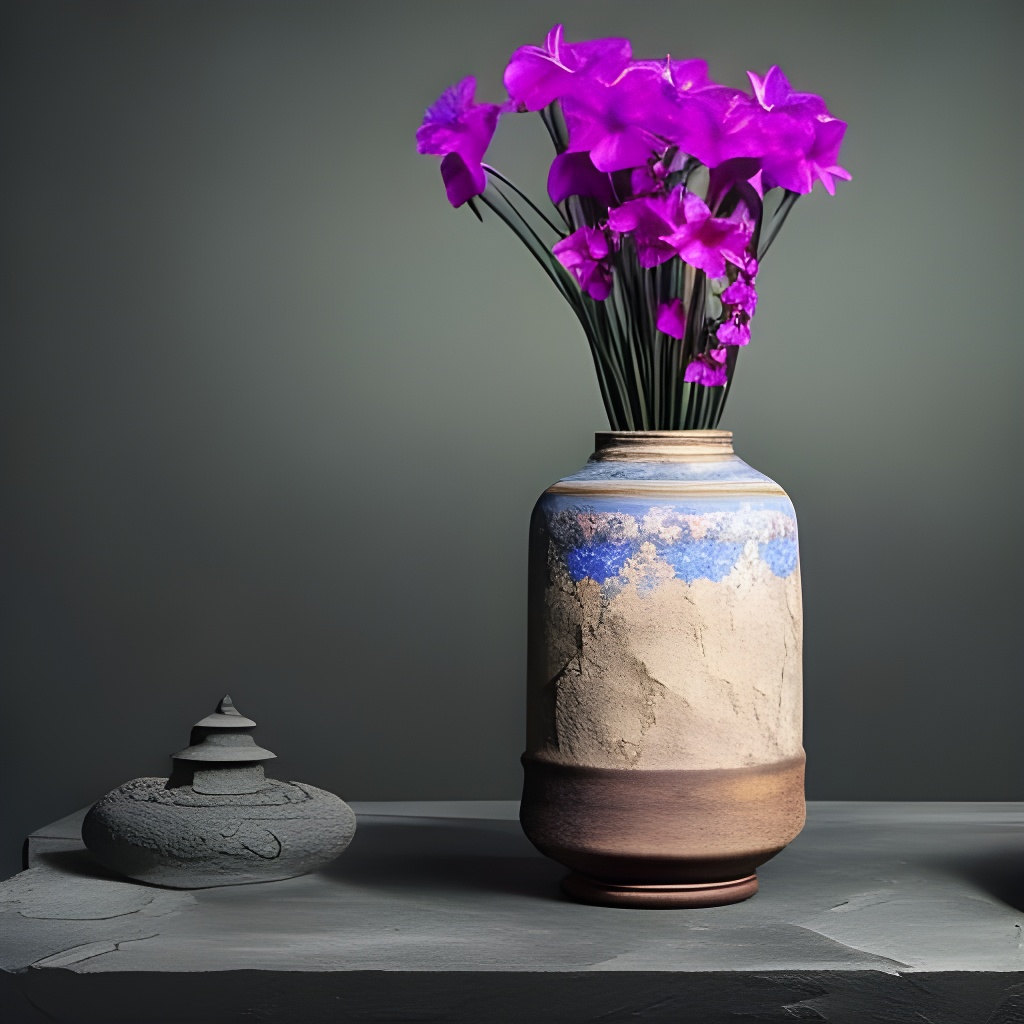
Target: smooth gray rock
x: 217, y: 820
x: 895, y: 913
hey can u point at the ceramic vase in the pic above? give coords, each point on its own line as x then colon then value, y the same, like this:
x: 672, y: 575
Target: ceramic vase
x: 663, y: 761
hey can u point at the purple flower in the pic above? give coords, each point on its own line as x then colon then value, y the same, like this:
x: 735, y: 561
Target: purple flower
x: 650, y: 179
x: 672, y: 318
x: 735, y: 330
x: 462, y: 181
x: 740, y: 300
x: 709, y: 121
x: 583, y: 254
x: 680, y: 224
x: 742, y: 294
x: 650, y: 219
x: 685, y: 76
x: 460, y: 130
x: 821, y: 158
x: 800, y: 138
x: 735, y: 172
x: 707, y: 369
x: 774, y: 91
x: 538, y: 75
x: 623, y: 123
x: 573, y: 174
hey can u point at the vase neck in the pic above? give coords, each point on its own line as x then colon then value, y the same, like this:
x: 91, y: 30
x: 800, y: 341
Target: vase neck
x: 661, y: 445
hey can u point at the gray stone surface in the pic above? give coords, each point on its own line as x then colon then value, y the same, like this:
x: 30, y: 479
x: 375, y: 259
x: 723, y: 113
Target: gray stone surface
x: 877, y: 912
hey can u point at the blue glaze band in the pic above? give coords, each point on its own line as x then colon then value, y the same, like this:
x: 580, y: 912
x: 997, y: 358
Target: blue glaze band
x: 698, y: 538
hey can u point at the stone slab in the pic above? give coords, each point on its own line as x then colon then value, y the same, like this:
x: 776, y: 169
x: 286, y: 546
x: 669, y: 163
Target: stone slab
x: 443, y: 911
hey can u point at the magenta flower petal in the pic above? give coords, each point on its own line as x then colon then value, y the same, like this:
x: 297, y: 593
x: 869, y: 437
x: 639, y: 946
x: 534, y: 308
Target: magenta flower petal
x: 699, y: 115
x: 774, y: 91
x: 688, y: 75
x: 456, y: 124
x: 799, y: 139
x: 680, y: 224
x: 623, y: 123
x: 538, y: 75
x: 828, y: 137
x: 732, y: 172
x: 672, y: 318
x: 460, y: 130
x: 462, y: 181
x: 573, y: 174
x: 708, y: 369
x: 583, y: 254
x: 734, y: 332
x: 649, y: 219
x: 826, y: 176
x: 706, y: 242
x: 443, y: 117
x: 621, y: 149
x: 715, y: 124
x: 648, y: 179
x: 743, y: 295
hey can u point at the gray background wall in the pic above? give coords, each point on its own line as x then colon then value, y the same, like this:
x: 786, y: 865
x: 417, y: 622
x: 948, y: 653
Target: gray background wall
x: 274, y: 416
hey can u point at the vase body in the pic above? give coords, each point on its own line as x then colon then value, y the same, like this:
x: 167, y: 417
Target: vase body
x: 663, y: 760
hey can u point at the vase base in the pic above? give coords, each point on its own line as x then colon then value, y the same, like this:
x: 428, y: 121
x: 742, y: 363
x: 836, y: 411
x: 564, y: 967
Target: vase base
x: 667, y: 897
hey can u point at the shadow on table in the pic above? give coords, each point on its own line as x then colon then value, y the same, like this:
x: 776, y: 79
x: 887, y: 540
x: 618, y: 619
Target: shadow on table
x: 471, y: 856
x: 1000, y: 873
x: 76, y: 862
x: 468, y: 855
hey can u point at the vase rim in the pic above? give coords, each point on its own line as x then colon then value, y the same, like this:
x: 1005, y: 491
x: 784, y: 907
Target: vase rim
x: 661, y: 445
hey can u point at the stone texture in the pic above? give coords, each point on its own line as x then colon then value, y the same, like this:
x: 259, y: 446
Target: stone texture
x: 895, y: 913
x: 182, y: 838
x: 217, y: 820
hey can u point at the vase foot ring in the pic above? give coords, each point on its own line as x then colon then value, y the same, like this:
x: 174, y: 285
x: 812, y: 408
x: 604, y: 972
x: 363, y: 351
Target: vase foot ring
x: 668, y: 897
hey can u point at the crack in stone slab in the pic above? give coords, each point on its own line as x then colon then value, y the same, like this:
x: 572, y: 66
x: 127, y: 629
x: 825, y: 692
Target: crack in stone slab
x: 86, y: 951
x: 887, y: 965
x: 876, y: 898
x: 68, y: 917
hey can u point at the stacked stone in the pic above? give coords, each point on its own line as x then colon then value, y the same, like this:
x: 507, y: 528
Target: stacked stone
x: 222, y: 756
x: 218, y: 820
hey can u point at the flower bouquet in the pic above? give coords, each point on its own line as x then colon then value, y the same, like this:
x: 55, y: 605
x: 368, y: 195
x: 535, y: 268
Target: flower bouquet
x: 667, y: 190
x: 663, y: 760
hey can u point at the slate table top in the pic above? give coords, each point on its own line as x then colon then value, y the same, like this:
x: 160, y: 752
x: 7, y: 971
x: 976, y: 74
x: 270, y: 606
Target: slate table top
x: 443, y: 911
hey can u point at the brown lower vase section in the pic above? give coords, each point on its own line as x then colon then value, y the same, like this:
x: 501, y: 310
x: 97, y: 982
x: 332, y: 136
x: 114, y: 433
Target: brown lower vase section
x: 663, y: 837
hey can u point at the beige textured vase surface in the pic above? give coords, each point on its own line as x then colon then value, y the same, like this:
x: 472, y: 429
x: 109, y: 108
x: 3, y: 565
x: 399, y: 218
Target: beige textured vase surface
x: 663, y: 758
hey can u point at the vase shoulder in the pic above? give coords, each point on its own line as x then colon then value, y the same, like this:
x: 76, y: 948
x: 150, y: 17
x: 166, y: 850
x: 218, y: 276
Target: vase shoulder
x: 666, y: 462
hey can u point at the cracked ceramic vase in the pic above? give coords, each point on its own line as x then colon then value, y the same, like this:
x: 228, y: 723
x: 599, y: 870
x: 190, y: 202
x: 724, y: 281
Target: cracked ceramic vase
x: 663, y: 761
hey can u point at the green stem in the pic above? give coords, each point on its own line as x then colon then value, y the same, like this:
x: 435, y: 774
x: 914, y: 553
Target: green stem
x: 533, y: 206
x: 778, y: 219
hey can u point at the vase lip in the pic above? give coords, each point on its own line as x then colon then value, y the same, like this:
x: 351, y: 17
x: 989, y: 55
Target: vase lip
x: 661, y: 445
